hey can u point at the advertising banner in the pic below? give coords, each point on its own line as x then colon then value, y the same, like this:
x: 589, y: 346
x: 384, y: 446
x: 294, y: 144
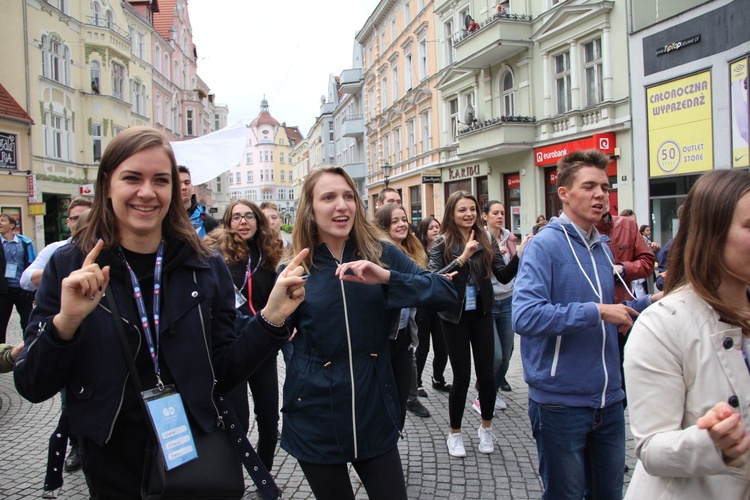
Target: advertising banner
x: 680, y: 135
x: 740, y: 115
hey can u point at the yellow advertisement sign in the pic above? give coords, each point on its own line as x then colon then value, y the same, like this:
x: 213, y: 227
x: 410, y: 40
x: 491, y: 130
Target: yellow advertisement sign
x: 740, y: 120
x: 679, y: 126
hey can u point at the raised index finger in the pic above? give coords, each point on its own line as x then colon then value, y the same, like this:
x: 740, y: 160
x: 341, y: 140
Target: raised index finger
x: 471, y: 235
x: 94, y: 253
x: 297, y: 260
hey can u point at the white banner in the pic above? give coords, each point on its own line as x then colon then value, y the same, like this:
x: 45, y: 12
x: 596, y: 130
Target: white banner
x: 211, y: 155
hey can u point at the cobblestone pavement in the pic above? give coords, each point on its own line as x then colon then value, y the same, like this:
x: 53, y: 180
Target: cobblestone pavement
x: 508, y: 473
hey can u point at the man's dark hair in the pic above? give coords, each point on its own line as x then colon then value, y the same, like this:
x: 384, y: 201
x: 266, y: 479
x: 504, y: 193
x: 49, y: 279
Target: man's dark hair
x: 627, y: 213
x: 80, y: 202
x: 571, y: 163
x: 183, y: 169
x: 384, y: 193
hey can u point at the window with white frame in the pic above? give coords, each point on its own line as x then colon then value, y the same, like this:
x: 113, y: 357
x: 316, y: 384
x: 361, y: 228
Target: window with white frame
x: 450, y: 50
x: 96, y: 141
x: 266, y: 156
x: 157, y: 58
x: 55, y: 60
x: 249, y: 158
x: 290, y: 176
x: 217, y: 123
x: 592, y: 64
x: 283, y: 178
x: 384, y: 92
x: 159, y: 116
x: 96, y: 77
x: 394, y: 80
x: 268, y: 195
x: 562, y: 82
x: 426, y: 132
x: 410, y: 138
x: 189, y: 119
x: 218, y: 184
x: 397, y: 143
x: 139, y: 97
x: 176, y: 123
x: 57, y: 136
x: 167, y: 113
x: 231, y: 179
x: 281, y: 194
x: 95, y: 13
x: 422, y: 59
x: 166, y: 66
x: 393, y: 29
x: 131, y: 35
x: 331, y: 135
x: 239, y: 180
x: 262, y: 177
x: 249, y: 176
x: 408, y: 71
x: 118, y: 80
x: 407, y: 13
x: 176, y: 73
x: 509, y: 94
x: 281, y: 157
x: 420, y: 5
x: 271, y: 155
x: 453, y: 113
x: 141, y: 45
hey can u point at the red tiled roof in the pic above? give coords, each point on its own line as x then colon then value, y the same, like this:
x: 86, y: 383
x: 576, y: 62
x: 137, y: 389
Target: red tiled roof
x: 10, y: 108
x: 293, y: 133
x: 164, y: 19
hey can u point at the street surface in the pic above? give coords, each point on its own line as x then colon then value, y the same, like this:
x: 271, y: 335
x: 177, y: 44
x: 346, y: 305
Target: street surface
x: 508, y: 473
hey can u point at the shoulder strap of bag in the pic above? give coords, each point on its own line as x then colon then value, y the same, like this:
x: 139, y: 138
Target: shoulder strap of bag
x: 250, y: 459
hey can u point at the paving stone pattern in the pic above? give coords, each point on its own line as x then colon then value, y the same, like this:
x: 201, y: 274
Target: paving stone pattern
x: 508, y: 473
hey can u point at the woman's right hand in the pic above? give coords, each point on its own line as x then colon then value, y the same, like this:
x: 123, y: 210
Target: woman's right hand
x: 726, y: 429
x: 470, y: 248
x: 288, y: 292
x: 80, y: 294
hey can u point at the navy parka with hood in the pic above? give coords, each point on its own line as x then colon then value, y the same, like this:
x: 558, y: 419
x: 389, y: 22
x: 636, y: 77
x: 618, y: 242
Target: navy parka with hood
x: 340, y: 402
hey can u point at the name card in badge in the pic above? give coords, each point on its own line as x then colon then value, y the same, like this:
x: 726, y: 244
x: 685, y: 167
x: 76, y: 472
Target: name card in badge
x: 10, y: 270
x: 239, y: 299
x: 171, y: 426
x: 471, y: 298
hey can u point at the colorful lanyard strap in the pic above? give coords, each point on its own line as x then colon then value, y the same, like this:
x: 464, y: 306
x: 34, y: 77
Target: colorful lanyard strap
x: 153, y: 347
x: 248, y: 282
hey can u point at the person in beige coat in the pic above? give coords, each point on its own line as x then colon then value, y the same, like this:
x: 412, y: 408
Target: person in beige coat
x: 688, y: 376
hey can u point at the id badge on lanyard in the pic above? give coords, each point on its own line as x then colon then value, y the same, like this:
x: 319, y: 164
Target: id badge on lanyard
x: 171, y: 426
x: 10, y: 270
x: 470, y: 303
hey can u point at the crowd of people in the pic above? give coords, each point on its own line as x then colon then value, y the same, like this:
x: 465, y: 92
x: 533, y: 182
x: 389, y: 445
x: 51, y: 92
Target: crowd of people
x: 152, y: 297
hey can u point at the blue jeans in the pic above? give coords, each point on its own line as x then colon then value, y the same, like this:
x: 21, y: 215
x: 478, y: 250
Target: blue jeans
x: 581, y: 450
x: 502, y: 315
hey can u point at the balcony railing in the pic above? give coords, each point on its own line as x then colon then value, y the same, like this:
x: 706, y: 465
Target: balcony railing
x: 104, y: 23
x: 509, y: 133
x: 488, y: 22
x: 477, y: 125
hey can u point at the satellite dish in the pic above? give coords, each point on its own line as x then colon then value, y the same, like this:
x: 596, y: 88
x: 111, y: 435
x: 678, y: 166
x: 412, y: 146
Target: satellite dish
x: 322, y: 99
x: 469, y: 116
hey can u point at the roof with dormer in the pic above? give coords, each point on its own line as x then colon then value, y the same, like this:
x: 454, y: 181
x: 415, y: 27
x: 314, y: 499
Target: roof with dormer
x: 164, y: 19
x: 9, y: 107
x: 264, y: 118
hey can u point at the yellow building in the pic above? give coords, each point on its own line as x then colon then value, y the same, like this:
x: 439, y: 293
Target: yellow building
x: 401, y: 103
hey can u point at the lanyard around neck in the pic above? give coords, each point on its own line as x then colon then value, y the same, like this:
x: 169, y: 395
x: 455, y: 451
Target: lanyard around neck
x: 248, y: 282
x: 151, y: 340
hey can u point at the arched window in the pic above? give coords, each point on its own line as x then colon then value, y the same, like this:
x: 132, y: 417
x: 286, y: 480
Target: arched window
x: 109, y: 19
x: 166, y: 66
x: 157, y: 58
x: 96, y: 73
x: 509, y: 95
x: 95, y: 13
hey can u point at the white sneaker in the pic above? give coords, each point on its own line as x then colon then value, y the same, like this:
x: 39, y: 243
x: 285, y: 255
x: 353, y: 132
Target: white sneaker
x: 477, y: 407
x: 456, y: 445
x: 500, y: 403
x: 486, y: 440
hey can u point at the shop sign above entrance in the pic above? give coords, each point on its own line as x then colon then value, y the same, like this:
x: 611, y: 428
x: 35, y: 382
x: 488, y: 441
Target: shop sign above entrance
x: 432, y: 176
x: 549, y: 155
x: 463, y: 172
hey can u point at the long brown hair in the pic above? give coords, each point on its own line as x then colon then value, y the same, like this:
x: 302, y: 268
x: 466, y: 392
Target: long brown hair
x: 706, y: 218
x: 235, y: 249
x: 365, y: 235
x: 422, y: 228
x: 411, y: 245
x: 102, y: 220
x: 453, y: 237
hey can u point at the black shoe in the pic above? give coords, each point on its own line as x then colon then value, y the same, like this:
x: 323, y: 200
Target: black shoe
x: 418, y: 409
x: 627, y: 469
x: 421, y: 392
x: 505, y: 386
x: 440, y: 385
x: 73, y: 461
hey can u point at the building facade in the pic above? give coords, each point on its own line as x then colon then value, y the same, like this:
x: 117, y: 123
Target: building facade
x: 690, y: 99
x: 348, y: 119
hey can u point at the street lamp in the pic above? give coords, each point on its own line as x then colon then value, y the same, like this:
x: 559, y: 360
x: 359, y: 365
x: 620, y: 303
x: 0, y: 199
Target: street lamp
x: 386, y: 173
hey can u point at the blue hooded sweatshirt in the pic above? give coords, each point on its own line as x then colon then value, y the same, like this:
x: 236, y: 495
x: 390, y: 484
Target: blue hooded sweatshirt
x: 570, y: 356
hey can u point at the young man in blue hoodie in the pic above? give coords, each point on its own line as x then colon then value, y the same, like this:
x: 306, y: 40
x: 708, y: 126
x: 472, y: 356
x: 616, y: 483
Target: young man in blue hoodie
x: 202, y: 222
x: 564, y: 310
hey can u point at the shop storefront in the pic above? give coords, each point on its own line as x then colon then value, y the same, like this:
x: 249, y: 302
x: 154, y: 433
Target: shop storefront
x: 471, y: 179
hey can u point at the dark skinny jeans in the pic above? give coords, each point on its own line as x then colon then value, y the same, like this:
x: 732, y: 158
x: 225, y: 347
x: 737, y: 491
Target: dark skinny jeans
x: 429, y: 324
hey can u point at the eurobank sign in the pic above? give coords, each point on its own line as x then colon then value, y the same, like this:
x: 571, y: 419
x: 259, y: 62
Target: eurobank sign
x: 549, y: 155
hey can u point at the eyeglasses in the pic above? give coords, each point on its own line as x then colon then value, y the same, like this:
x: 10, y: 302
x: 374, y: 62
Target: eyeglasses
x: 74, y: 218
x: 248, y: 217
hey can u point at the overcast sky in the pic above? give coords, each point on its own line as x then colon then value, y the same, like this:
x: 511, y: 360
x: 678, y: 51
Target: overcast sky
x: 283, y: 49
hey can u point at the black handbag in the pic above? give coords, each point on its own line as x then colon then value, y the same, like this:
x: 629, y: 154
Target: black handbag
x: 217, y: 472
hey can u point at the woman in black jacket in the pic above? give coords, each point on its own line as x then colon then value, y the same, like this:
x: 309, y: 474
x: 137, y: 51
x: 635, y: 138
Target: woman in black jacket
x: 464, y: 246
x: 251, y: 250
x: 140, y: 249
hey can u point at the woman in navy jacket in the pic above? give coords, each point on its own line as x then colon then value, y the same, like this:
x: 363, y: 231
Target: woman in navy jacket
x: 463, y: 245
x: 340, y: 403
x: 72, y: 343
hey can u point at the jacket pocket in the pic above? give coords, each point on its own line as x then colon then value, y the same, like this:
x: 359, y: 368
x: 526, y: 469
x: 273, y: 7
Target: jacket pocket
x: 79, y: 390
